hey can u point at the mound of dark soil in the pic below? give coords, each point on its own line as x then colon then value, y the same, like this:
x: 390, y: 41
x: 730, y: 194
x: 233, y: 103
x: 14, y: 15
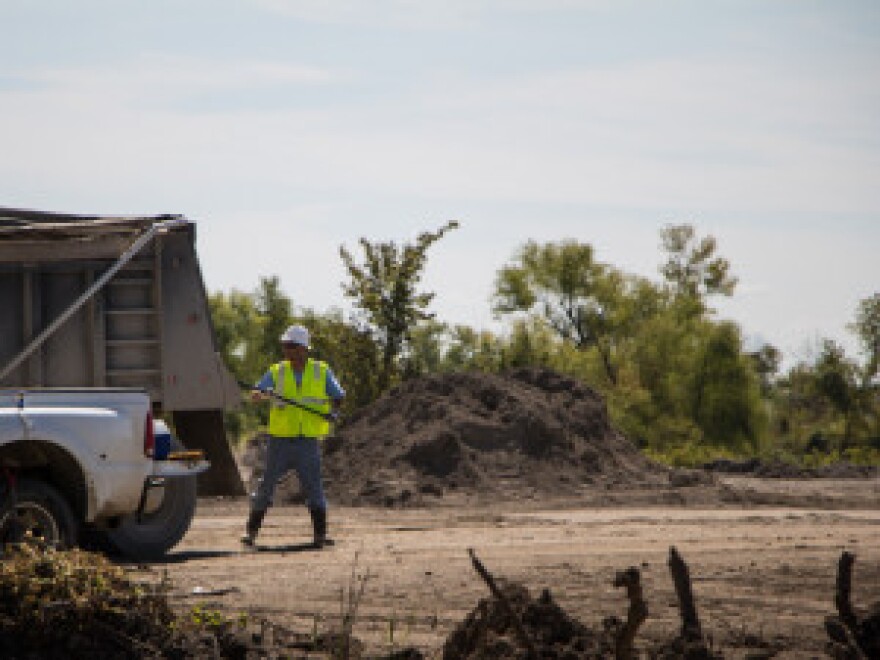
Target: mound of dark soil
x: 527, y: 433
x: 488, y: 632
x: 780, y: 470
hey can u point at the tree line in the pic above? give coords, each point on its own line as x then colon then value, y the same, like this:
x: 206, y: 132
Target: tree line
x: 677, y: 380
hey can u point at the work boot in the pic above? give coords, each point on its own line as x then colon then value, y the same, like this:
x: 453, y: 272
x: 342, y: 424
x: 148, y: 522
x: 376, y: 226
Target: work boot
x: 255, y: 519
x: 319, y: 526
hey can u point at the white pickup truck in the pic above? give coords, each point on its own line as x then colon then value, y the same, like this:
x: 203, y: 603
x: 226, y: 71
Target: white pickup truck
x: 77, y: 463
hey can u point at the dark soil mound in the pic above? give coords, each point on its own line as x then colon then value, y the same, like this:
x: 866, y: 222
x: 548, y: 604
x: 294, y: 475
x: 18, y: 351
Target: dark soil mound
x: 517, y: 435
x: 780, y: 470
x: 488, y: 632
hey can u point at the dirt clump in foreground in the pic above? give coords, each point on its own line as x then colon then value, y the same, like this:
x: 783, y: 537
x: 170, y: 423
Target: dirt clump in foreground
x: 488, y: 631
x: 528, y: 433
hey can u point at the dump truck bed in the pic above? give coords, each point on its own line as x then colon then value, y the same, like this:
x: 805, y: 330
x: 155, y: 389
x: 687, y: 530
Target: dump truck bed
x: 112, y: 301
x: 148, y: 327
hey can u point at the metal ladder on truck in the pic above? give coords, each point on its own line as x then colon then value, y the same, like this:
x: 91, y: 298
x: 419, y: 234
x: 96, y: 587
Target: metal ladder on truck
x: 133, y: 324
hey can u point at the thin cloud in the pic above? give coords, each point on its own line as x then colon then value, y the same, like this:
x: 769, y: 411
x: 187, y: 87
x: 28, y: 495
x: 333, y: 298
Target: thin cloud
x: 420, y: 15
x: 171, y: 74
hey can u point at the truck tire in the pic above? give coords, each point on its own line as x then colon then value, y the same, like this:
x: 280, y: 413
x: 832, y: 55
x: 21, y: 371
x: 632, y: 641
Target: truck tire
x: 161, y: 530
x: 40, y: 510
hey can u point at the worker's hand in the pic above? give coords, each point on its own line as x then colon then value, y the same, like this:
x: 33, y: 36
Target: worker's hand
x: 258, y: 395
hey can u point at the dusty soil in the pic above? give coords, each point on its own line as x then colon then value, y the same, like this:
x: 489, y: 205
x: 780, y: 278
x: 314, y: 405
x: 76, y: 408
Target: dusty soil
x: 763, y: 575
x: 526, y: 469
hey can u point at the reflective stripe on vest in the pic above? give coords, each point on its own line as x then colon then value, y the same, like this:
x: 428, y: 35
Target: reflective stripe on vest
x: 289, y: 421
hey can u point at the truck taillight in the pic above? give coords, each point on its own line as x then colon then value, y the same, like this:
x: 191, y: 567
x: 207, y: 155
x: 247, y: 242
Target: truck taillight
x: 149, y: 436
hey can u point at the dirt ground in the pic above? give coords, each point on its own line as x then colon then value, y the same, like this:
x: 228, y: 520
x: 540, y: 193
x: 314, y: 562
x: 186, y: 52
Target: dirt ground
x: 763, y: 562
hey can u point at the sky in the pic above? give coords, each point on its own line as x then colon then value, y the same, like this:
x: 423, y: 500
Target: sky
x: 287, y: 128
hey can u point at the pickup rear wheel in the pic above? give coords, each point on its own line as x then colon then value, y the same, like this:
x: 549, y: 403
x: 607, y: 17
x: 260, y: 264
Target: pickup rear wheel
x: 38, y: 511
x: 162, y: 528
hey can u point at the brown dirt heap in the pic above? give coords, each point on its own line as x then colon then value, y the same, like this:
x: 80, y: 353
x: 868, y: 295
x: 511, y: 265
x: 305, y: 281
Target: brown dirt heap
x: 526, y: 433
x: 488, y: 632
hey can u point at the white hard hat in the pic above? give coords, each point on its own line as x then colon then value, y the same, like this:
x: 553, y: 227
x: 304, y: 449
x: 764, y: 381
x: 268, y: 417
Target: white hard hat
x: 296, y: 334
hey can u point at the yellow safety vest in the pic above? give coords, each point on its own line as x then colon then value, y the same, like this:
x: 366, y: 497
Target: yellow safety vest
x: 289, y: 421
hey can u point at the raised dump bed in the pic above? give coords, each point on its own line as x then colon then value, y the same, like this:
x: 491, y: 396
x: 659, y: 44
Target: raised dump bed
x: 106, y: 301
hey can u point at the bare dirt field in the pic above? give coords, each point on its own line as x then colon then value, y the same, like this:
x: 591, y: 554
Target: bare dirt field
x: 763, y: 562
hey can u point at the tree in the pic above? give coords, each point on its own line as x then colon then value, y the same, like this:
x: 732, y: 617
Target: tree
x: 424, y: 354
x: 384, y: 286
x: 766, y: 362
x: 692, y: 269
x: 529, y: 344
x: 586, y: 302
x: 725, y: 398
x: 469, y: 349
x: 350, y: 351
x: 867, y: 329
x: 837, y: 380
x: 237, y: 326
x: 247, y: 327
x: 276, y: 311
x: 559, y: 279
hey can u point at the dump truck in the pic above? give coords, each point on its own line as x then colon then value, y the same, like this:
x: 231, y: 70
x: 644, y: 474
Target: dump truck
x: 117, y: 302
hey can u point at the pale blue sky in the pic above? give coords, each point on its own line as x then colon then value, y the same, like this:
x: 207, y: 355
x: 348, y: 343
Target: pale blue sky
x: 287, y: 128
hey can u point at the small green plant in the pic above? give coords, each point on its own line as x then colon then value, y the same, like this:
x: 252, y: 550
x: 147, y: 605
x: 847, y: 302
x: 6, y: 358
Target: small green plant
x: 207, y: 618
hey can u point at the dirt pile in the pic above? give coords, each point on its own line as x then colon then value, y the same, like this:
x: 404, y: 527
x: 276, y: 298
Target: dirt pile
x: 527, y: 433
x: 488, y: 632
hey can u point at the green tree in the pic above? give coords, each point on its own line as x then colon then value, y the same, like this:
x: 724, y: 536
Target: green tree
x: 424, y: 353
x: 384, y: 288
x: 247, y: 326
x: 838, y: 380
x: 471, y: 349
x: 276, y: 312
x: 586, y: 302
x: 350, y: 351
x: 726, y: 403
x: 692, y: 269
x: 237, y: 326
x: 867, y: 329
x: 766, y: 362
x: 529, y: 344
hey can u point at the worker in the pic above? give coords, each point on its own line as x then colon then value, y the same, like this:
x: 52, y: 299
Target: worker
x: 295, y: 433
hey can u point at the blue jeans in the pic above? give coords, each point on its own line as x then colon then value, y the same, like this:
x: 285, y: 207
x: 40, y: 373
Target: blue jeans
x: 282, y: 455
